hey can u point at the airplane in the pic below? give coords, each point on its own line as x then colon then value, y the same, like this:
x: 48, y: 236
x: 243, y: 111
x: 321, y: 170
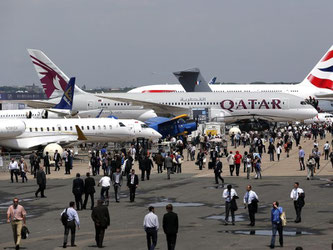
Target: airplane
x: 62, y: 109
x: 320, y: 118
x: 26, y: 134
x: 54, y: 82
x: 172, y: 126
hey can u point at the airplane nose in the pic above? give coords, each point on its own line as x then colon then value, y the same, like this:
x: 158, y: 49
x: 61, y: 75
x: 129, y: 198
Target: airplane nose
x: 155, y: 134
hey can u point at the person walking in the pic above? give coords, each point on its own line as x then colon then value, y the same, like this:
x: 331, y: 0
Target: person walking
x: 231, y: 162
x: 100, y: 216
x: 230, y: 196
x: 200, y: 158
x: 105, y: 181
x: 301, y: 155
x: 32, y: 161
x: 148, y: 165
x: 248, y: 166
x: 24, y: 170
x: 151, y: 226
x: 46, y: 160
x: 238, y: 160
x: 57, y: 160
x: 310, y: 165
x: 326, y: 150
x: 257, y: 167
x: 168, y: 165
x: 14, y: 169
x: 159, y: 162
x: 89, y: 190
x: 117, y: 181
x: 72, y: 221
x: 16, y: 215
x: 218, y: 171
x: 170, y: 226
x: 78, y: 190
x: 278, y: 151
x: 41, y: 181
x: 271, y: 151
x: 251, y: 202
x: 132, y: 184
x: 276, y: 224
x: 297, y: 195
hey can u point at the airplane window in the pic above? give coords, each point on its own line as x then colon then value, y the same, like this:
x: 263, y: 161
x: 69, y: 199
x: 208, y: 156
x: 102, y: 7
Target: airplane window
x: 110, y: 126
x: 82, y: 127
x: 48, y: 129
x: 30, y: 129
x: 59, y: 128
x: 121, y: 124
x: 71, y: 128
x: 87, y: 127
x: 65, y: 128
x: 93, y: 127
x: 303, y: 103
x: 36, y: 129
x: 99, y: 127
x: 53, y: 129
x: 108, y: 104
x: 144, y: 125
x: 41, y: 129
x: 104, y: 127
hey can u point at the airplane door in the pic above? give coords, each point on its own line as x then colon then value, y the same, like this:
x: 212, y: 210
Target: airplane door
x: 90, y: 105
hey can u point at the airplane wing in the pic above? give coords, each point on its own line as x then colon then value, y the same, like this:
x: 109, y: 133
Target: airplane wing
x: 328, y: 97
x: 159, y: 108
x: 38, y: 104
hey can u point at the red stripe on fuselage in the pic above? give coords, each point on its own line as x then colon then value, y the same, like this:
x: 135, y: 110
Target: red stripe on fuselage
x: 321, y: 83
x: 157, y: 91
x: 328, y: 56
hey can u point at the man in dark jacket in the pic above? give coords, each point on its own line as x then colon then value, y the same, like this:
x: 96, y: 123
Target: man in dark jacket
x: 159, y: 159
x: 132, y: 184
x: 41, y: 181
x: 101, y: 218
x: 77, y: 190
x: 89, y: 190
x: 170, y: 227
x: 218, y: 171
x: 46, y: 159
x: 148, y: 165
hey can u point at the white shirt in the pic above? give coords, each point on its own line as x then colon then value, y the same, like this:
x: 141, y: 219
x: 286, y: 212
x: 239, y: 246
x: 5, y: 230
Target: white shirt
x: 72, y: 215
x: 248, y: 162
x: 249, y: 196
x: 13, y: 165
x: 226, y: 195
x: 326, y: 146
x: 294, y: 193
x: 231, y: 159
x: 278, y: 150
x: 151, y: 220
x: 105, y: 181
x: 132, y: 178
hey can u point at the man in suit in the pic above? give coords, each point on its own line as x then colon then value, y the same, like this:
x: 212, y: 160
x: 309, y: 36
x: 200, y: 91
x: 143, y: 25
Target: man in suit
x: 46, y: 159
x: 168, y: 165
x: 148, y: 165
x: 218, y: 171
x: 100, y: 216
x: 77, y: 190
x: 170, y: 227
x: 117, y: 180
x: 57, y: 159
x: 41, y: 181
x: 89, y: 190
x: 132, y: 184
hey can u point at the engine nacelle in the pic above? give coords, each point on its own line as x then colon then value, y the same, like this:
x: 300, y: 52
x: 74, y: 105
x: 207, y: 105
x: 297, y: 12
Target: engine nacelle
x: 51, y: 148
x: 11, y: 128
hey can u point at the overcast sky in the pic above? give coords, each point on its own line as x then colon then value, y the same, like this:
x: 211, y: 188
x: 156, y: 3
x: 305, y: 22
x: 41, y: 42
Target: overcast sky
x: 113, y: 43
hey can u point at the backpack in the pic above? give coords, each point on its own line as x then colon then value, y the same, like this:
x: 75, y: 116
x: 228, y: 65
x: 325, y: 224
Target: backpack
x: 64, y: 218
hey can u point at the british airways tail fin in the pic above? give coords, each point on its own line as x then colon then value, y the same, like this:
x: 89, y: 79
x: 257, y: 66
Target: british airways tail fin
x: 192, y: 80
x: 53, y: 80
x: 66, y: 101
x: 321, y: 75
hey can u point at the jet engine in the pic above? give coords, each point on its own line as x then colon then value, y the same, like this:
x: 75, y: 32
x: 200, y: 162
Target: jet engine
x: 51, y: 148
x: 11, y: 128
x: 257, y: 125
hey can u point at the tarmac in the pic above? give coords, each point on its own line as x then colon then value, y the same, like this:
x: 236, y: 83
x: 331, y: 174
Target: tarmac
x: 197, y: 201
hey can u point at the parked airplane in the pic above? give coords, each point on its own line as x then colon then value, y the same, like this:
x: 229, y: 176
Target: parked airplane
x: 54, y: 82
x: 31, y: 133
x: 320, y: 118
x: 62, y: 109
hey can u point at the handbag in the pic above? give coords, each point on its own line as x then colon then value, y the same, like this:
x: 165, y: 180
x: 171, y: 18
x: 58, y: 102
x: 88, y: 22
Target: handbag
x: 283, y: 219
x: 25, y: 232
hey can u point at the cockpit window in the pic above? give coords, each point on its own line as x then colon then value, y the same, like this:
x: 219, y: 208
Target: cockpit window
x: 121, y: 124
x: 143, y: 125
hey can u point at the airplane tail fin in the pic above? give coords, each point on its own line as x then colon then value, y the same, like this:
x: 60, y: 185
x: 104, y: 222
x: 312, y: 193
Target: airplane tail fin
x: 321, y: 75
x: 212, y: 81
x: 66, y: 101
x: 53, y: 80
x: 192, y: 80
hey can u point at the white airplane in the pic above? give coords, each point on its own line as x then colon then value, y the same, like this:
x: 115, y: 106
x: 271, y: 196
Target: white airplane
x: 62, y: 109
x: 54, y: 82
x: 320, y: 118
x: 31, y: 133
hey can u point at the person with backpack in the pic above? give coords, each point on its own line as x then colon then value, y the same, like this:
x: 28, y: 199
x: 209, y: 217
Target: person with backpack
x: 70, y: 219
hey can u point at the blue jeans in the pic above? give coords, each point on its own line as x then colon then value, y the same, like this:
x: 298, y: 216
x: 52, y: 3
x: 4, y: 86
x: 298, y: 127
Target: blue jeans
x: 277, y: 227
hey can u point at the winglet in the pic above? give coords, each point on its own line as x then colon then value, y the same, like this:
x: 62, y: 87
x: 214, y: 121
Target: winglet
x: 80, y: 135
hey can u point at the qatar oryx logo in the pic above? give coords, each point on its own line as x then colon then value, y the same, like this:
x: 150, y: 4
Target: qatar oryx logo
x: 49, y: 78
x: 230, y: 105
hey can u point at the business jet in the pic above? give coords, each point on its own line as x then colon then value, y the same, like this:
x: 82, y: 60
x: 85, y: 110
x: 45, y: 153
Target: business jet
x: 31, y: 133
x: 62, y: 109
x: 54, y: 82
x: 320, y: 118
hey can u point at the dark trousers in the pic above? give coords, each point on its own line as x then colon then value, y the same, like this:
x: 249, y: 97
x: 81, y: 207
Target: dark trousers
x: 252, y: 214
x: 227, y: 210
x: 179, y: 168
x: 171, y: 240
x: 132, y: 189
x: 40, y: 189
x: 151, y: 234
x: 12, y: 173
x: 86, y: 200
x: 106, y: 191
x: 143, y: 174
x: 298, y: 210
x: 70, y: 226
x: 24, y: 177
x: 244, y: 166
x: 99, y: 235
x: 237, y: 169
x: 317, y: 162
x: 277, y: 227
x: 271, y: 156
x: 231, y: 168
x: 148, y: 173
x: 56, y: 165
x: 326, y: 154
x: 218, y: 176
x: 47, y: 169
x: 116, y: 188
x: 78, y: 201
x: 278, y: 156
x: 301, y: 163
x: 67, y: 168
x: 159, y: 168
